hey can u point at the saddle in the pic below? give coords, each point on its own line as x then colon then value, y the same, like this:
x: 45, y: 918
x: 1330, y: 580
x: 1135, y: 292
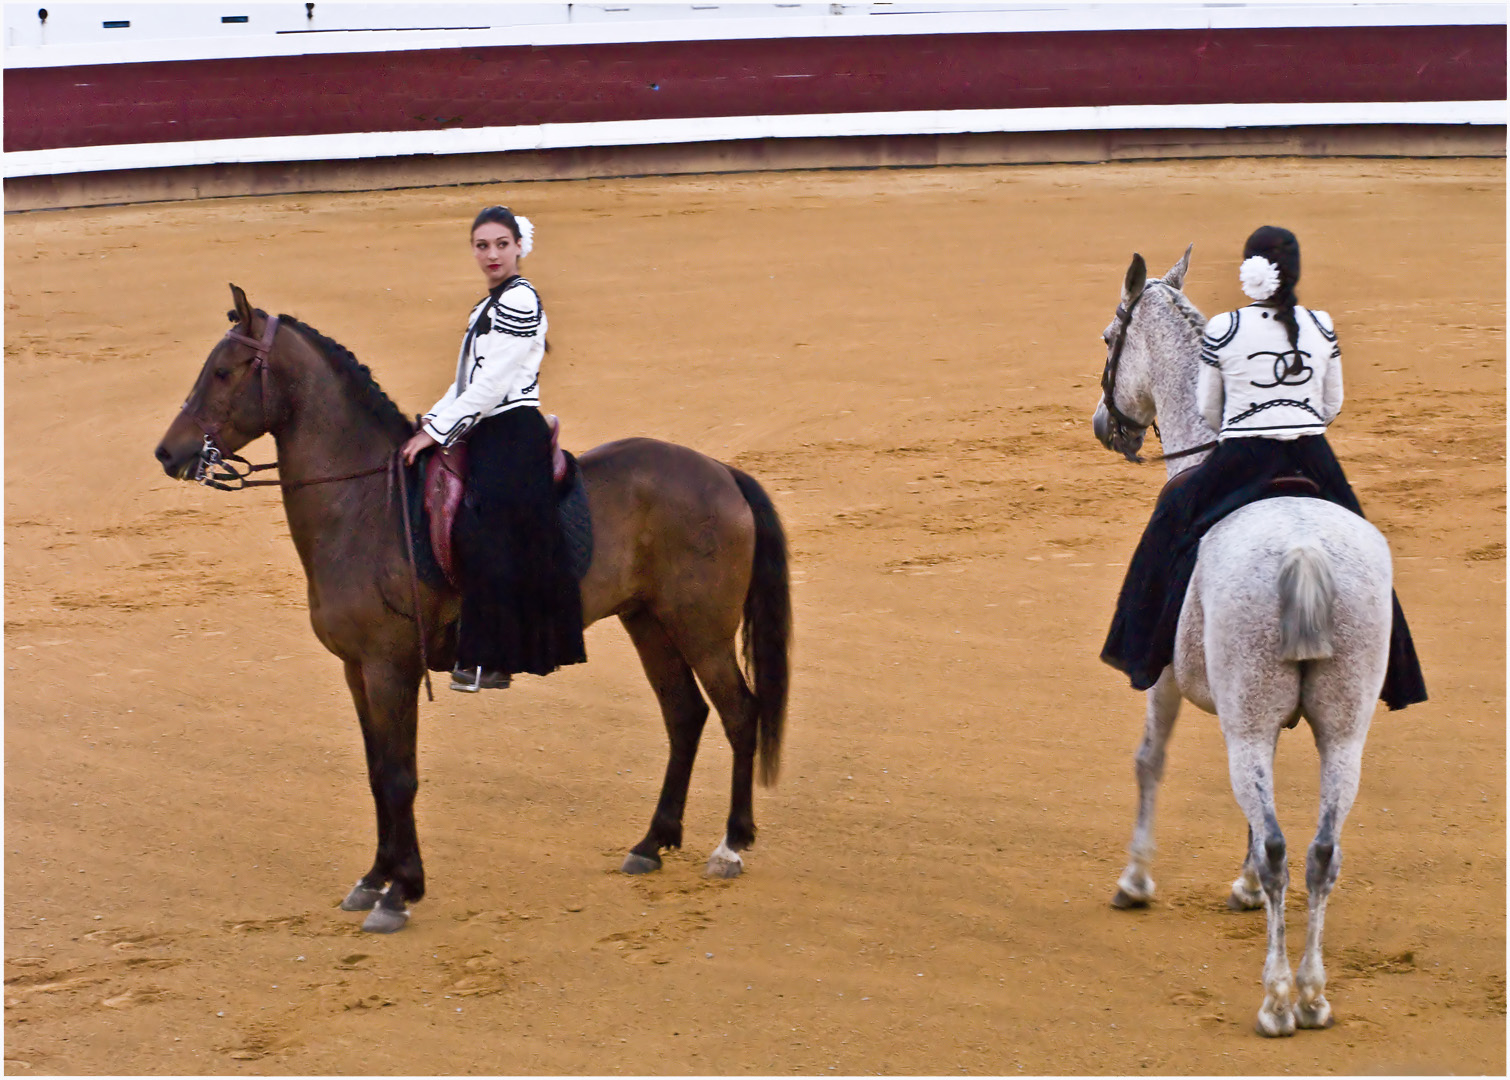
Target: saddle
x: 445, y: 482
x: 1275, y: 488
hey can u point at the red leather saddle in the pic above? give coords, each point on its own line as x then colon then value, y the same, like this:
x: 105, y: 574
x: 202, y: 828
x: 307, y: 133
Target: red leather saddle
x: 446, y: 483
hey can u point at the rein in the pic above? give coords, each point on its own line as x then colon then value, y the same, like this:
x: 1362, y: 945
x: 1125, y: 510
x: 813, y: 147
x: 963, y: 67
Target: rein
x: 228, y: 479
x: 1122, y: 425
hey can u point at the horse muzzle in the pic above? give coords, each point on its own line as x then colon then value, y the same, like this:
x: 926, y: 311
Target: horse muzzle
x: 180, y: 462
x: 1115, y: 436
x: 186, y: 451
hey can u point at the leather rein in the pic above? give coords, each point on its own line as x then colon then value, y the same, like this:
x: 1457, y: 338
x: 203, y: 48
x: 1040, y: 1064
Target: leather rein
x: 1122, y: 425
x: 211, y: 458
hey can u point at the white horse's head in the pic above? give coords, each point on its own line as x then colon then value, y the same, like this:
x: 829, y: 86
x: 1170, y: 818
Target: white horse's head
x: 1154, y: 323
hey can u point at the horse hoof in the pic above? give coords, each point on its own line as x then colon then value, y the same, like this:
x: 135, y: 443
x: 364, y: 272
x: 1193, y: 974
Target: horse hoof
x: 1245, y: 896
x: 720, y: 866
x: 1275, y: 1026
x: 1125, y: 902
x: 385, y: 921
x: 1314, y: 1017
x: 361, y: 898
x: 639, y: 864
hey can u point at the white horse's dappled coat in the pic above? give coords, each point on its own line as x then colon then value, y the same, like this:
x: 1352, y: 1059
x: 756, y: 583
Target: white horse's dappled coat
x: 1287, y: 616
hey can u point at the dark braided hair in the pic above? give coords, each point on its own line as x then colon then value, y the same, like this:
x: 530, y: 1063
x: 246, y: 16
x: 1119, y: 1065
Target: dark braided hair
x: 1281, y: 248
x: 498, y: 215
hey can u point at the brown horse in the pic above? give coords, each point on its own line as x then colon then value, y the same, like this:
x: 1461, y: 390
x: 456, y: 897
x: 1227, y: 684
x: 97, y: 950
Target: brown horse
x: 685, y: 549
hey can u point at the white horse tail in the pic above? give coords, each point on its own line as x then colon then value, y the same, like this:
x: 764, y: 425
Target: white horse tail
x: 1306, y: 593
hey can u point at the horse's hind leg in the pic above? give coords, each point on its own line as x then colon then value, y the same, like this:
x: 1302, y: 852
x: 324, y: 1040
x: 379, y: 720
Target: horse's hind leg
x: 1341, y: 764
x: 1248, y: 888
x: 721, y: 677
x: 387, y: 706
x: 1250, y: 762
x: 1135, y: 888
x: 684, y: 712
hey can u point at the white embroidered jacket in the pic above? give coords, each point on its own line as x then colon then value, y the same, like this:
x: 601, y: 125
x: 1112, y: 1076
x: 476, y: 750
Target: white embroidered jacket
x: 498, y: 368
x: 1253, y: 383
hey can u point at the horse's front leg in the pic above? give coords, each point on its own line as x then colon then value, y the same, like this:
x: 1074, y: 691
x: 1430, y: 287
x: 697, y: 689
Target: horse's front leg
x: 387, y: 697
x: 1247, y: 891
x: 1135, y: 888
x: 365, y: 893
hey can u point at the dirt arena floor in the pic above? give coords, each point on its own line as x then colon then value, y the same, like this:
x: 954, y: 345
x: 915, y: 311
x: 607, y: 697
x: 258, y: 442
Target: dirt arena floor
x: 908, y: 360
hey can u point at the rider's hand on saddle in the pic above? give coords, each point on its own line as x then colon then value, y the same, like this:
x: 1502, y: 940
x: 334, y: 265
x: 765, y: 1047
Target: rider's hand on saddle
x: 420, y: 440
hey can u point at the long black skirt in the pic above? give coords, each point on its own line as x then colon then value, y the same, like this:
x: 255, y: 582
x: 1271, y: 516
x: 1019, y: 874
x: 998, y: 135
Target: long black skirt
x: 1239, y: 471
x: 521, y: 608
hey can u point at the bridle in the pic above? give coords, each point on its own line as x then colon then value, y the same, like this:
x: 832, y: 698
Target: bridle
x: 1121, y: 427
x: 212, y: 458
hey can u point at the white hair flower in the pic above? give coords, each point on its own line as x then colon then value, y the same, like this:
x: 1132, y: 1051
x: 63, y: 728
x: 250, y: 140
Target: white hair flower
x: 1260, y: 277
x: 526, y: 234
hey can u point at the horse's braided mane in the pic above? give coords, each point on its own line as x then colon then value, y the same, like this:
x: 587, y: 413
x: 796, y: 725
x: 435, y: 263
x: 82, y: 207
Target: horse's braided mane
x: 367, y: 392
x: 1191, y: 313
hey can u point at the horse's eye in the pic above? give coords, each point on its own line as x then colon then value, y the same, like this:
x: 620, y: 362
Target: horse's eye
x: 222, y: 373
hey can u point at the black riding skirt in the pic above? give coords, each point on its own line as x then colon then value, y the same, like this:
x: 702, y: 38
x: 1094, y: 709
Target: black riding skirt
x: 1239, y: 471
x: 521, y: 609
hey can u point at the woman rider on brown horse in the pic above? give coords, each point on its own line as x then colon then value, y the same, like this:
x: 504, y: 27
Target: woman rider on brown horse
x: 521, y: 610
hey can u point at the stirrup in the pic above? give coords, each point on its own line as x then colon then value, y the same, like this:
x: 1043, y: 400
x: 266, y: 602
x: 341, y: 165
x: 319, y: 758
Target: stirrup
x: 470, y: 680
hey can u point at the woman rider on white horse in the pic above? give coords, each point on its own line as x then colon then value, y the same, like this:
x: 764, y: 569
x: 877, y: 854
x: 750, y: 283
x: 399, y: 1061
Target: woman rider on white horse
x: 1270, y: 383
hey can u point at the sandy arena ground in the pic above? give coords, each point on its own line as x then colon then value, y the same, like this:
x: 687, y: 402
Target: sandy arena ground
x: 908, y: 360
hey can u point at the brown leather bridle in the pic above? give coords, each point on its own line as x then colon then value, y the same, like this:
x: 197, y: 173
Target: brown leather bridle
x: 211, y: 457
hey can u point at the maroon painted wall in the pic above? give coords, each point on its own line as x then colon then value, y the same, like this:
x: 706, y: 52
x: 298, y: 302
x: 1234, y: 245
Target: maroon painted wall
x: 47, y: 108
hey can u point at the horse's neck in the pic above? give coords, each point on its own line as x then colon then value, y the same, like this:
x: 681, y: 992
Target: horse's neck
x: 1181, y: 425
x: 322, y: 430
x: 324, y: 439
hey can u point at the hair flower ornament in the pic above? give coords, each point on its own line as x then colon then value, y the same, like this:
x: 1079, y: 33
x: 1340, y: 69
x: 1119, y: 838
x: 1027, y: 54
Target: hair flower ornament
x: 526, y: 234
x: 1259, y: 277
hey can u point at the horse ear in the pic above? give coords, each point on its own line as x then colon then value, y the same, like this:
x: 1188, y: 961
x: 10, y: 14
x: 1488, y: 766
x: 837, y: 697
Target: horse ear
x: 1176, y: 275
x: 1137, y: 277
x: 243, y: 309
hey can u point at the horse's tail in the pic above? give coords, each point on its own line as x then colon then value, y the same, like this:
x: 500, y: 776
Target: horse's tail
x: 1306, y: 594
x: 767, y: 626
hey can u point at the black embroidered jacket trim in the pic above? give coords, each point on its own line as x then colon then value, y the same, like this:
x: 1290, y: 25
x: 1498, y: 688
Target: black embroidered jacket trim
x: 517, y: 322
x: 1330, y: 335
x: 1210, y: 345
x: 1274, y: 404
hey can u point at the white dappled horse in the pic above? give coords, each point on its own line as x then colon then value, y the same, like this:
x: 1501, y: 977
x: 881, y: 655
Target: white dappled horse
x: 1287, y: 616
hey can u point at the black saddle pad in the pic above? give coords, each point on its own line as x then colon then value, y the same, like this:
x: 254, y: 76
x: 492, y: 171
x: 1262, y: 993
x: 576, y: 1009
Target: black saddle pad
x: 571, y: 506
x: 576, y: 519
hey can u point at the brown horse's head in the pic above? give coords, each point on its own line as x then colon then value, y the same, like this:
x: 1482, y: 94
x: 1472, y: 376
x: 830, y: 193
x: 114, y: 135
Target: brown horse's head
x: 226, y: 409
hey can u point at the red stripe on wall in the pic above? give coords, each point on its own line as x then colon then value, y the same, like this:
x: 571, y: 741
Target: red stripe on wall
x: 47, y: 108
